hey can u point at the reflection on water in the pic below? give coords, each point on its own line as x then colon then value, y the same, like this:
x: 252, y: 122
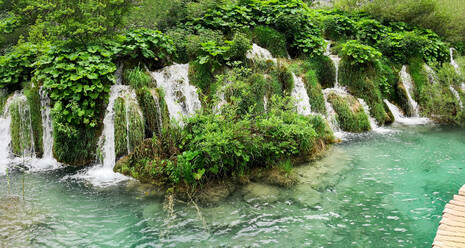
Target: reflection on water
x: 373, y: 191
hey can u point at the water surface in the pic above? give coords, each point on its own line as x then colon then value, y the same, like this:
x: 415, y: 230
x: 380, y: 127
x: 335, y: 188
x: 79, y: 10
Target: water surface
x: 377, y: 190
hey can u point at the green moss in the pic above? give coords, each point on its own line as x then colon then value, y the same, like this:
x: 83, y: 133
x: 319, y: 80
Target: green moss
x: 350, y: 114
x: 270, y: 39
x: 419, y: 76
x: 201, y: 76
x: 137, y: 78
x: 365, y: 83
x: 77, y: 149
x: 285, y: 78
x: 165, y: 114
x: 129, y: 126
x: 148, y: 105
x: 315, y: 92
x: 324, y: 68
x: 119, y: 118
x: 33, y: 98
x: 24, y: 123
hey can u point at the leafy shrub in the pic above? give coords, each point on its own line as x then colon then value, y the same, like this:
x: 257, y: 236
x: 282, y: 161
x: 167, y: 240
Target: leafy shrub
x: 78, y: 81
x: 271, y: 39
x: 338, y: 27
x: 16, y: 66
x: 358, y: 54
x: 216, y: 55
x: 148, y: 46
x: 137, y: 78
x: 402, y: 46
x: 370, y: 31
x: 194, y: 41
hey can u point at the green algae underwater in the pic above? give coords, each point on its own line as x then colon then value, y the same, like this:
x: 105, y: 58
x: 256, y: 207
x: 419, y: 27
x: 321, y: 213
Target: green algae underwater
x: 372, y: 190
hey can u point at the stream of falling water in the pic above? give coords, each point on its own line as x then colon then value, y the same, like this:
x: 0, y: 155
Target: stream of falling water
x: 400, y: 118
x: 407, y: 81
x: 181, y: 98
x: 299, y: 93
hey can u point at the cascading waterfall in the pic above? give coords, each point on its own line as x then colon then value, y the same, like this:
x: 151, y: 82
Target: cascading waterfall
x: 457, y: 96
x: 180, y: 97
x: 366, y: 109
x: 399, y: 117
x: 21, y: 127
x: 331, y: 115
x: 159, y: 113
x: 265, y: 103
x: 336, y: 61
x: 407, y: 82
x: 452, y: 61
x: 300, y: 94
x: 5, y: 137
x: 102, y: 174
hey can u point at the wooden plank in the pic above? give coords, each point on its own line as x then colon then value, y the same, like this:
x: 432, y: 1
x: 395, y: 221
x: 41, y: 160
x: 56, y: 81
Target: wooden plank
x: 451, y: 230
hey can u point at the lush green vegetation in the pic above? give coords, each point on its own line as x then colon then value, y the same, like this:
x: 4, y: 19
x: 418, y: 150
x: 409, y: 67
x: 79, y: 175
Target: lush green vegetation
x: 73, y: 49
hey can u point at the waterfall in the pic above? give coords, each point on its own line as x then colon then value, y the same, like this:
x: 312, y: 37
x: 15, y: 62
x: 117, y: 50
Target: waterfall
x: 452, y: 61
x: 5, y: 137
x: 399, y: 117
x: 47, y: 124
x: 331, y: 114
x: 180, y: 97
x: 157, y: 105
x: 265, y: 103
x: 336, y: 61
x: 102, y: 174
x: 260, y: 53
x: 300, y: 94
x: 366, y: 109
x: 407, y: 81
x: 21, y: 127
x: 457, y: 96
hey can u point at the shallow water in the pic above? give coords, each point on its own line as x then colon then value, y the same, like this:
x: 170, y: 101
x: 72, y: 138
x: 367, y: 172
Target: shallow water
x: 378, y: 190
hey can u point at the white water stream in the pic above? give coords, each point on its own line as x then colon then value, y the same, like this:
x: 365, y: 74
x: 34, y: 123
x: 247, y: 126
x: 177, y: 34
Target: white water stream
x: 400, y: 118
x: 181, y: 98
x: 407, y: 81
x: 299, y: 93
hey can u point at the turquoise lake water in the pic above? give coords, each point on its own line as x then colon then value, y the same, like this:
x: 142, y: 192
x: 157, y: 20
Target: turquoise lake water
x: 376, y: 190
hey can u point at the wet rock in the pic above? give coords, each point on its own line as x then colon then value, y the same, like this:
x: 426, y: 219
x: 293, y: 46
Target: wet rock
x: 257, y: 192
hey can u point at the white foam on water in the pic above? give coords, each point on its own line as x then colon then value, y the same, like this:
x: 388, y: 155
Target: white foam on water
x: 400, y: 118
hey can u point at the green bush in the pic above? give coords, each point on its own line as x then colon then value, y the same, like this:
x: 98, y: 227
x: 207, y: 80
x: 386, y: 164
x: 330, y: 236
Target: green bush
x: 78, y: 81
x: 370, y: 31
x: 151, y: 47
x: 337, y: 27
x: 270, y: 39
x: 215, y: 146
x: 350, y: 114
x: 151, y: 111
x: 193, y: 42
x: 324, y: 69
x: 358, y: 54
x: 16, y: 67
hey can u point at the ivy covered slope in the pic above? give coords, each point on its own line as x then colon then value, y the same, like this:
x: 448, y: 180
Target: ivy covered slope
x: 248, y: 119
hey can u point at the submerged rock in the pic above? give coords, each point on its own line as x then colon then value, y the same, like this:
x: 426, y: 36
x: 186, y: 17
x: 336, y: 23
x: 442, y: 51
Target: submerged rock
x: 214, y: 194
x: 305, y: 195
x: 325, y: 173
x: 257, y: 192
